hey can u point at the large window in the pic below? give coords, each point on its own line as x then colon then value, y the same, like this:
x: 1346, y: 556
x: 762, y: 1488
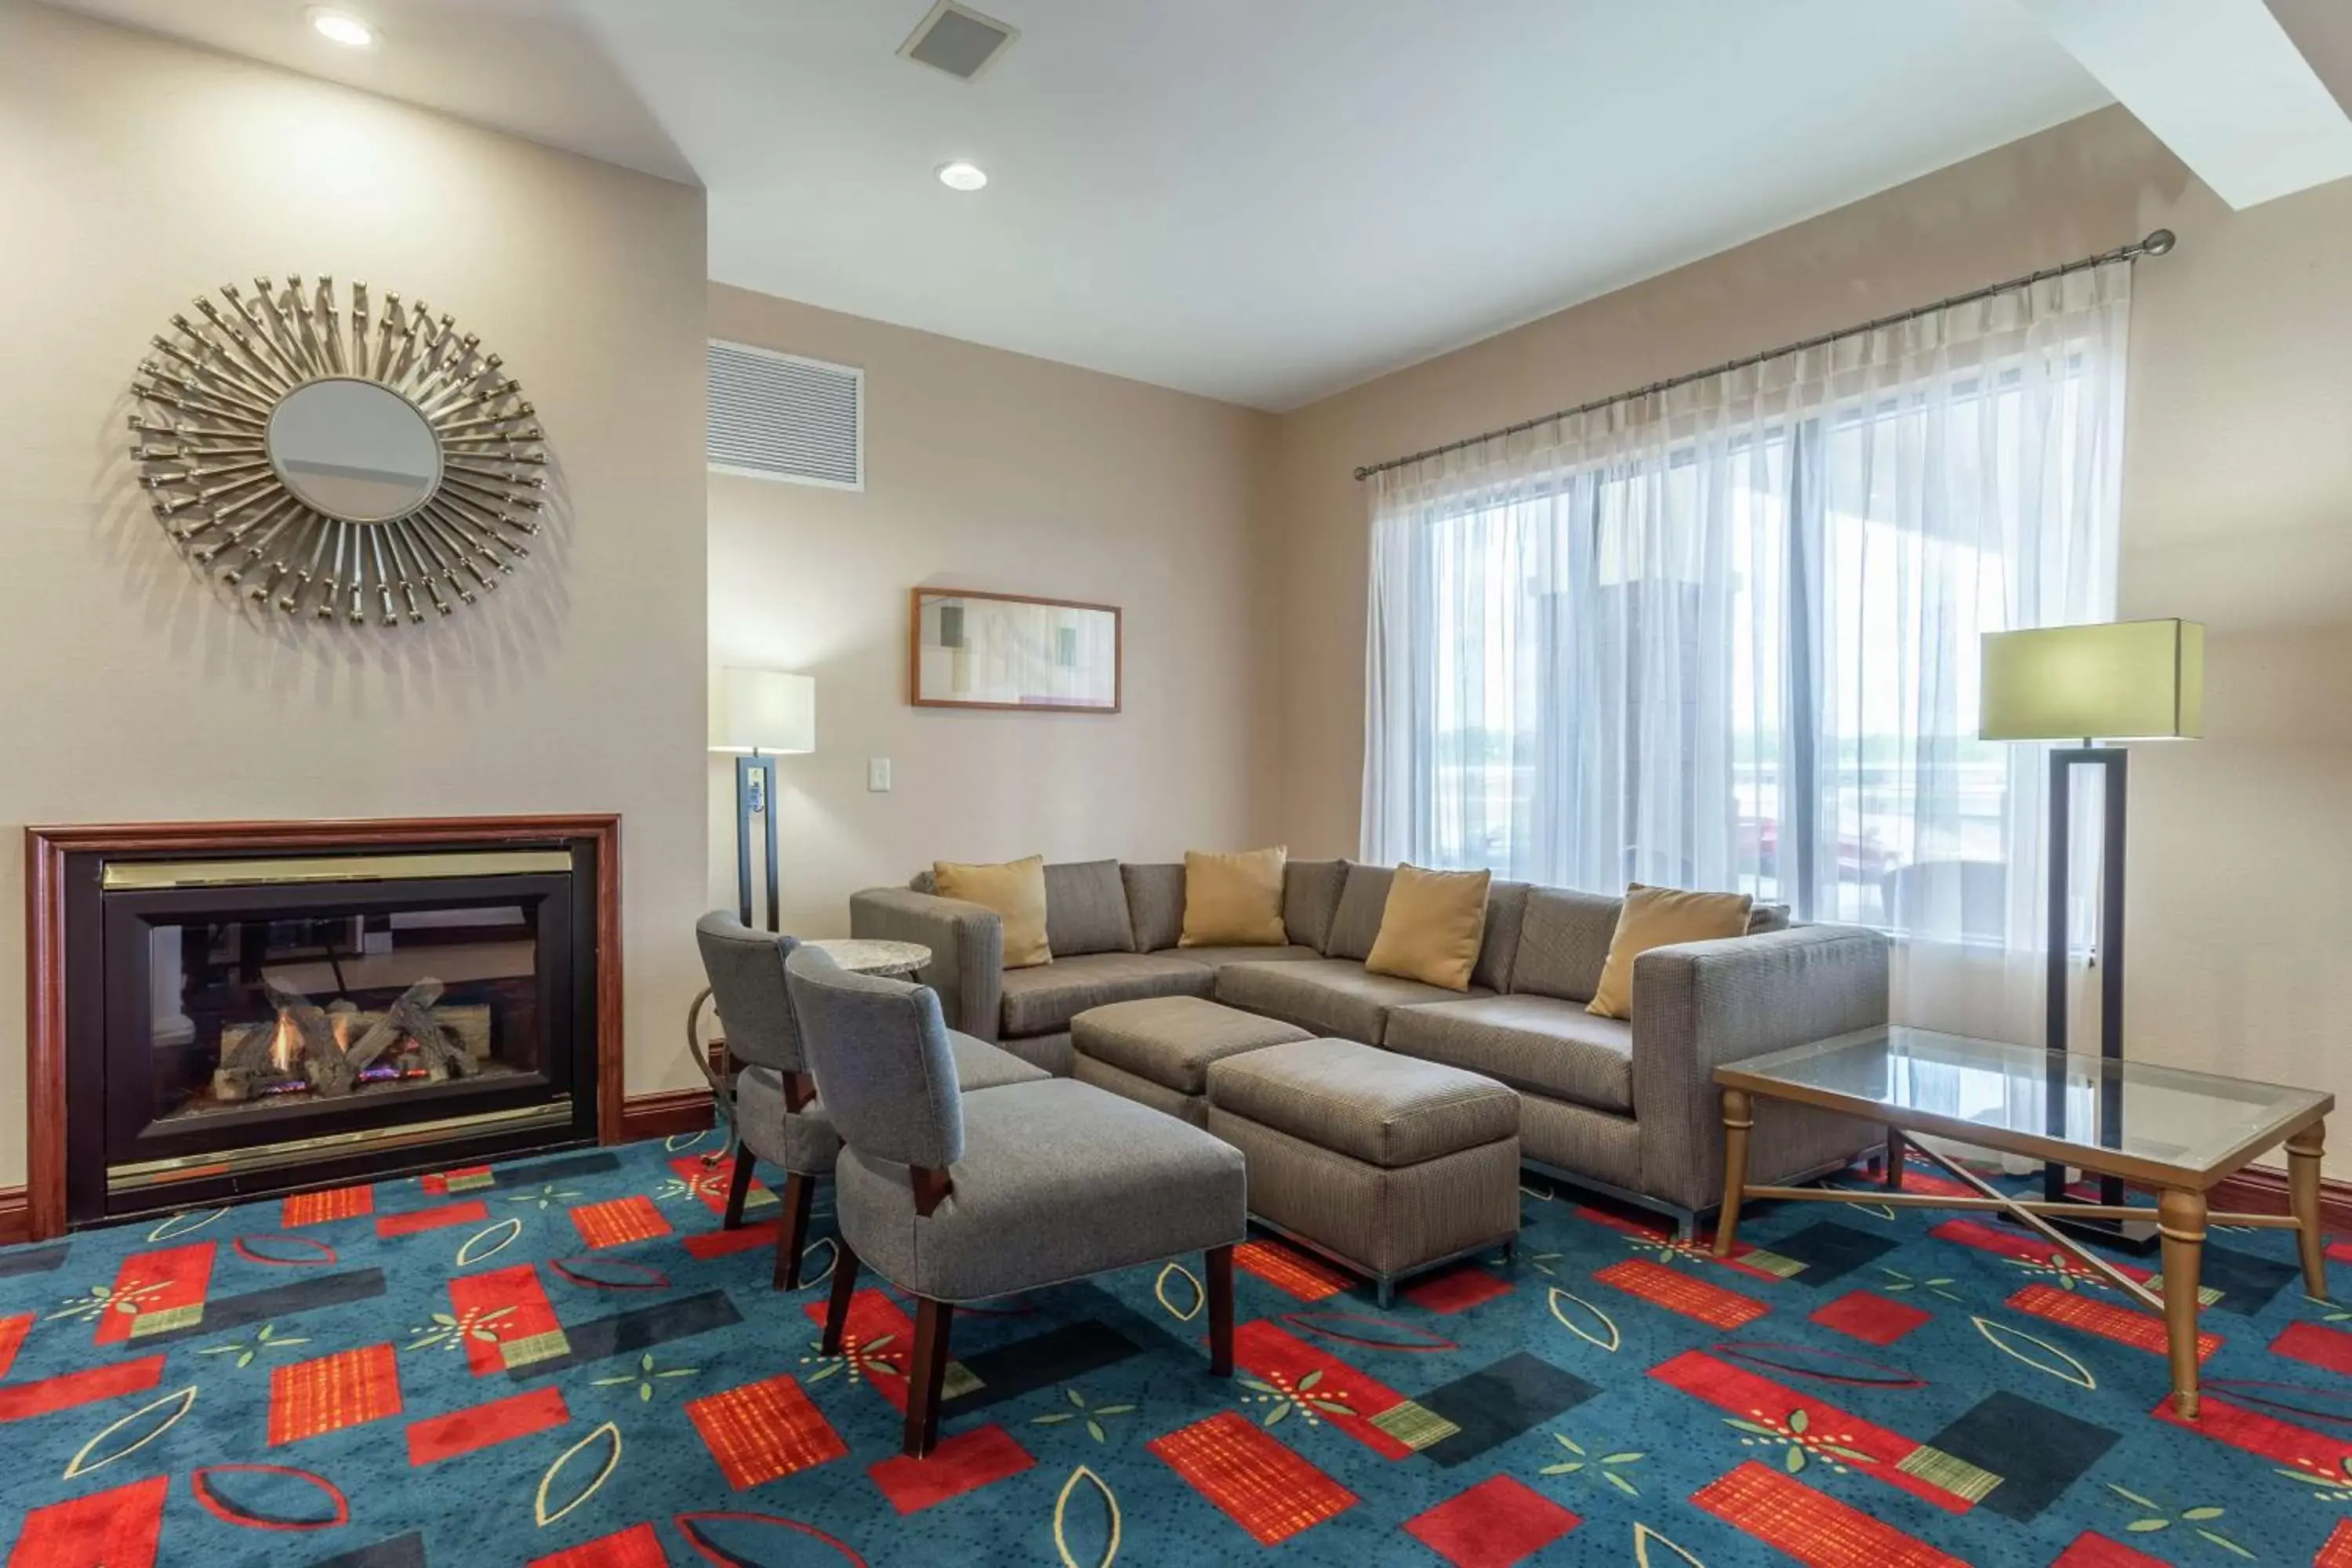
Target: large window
x: 1728, y: 639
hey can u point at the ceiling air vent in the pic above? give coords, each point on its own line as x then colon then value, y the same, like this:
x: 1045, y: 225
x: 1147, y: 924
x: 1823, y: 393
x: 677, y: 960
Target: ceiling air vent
x: 957, y: 40
x: 780, y: 416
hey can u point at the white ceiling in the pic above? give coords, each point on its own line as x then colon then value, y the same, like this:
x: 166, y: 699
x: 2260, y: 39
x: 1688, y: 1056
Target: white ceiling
x: 1259, y: 200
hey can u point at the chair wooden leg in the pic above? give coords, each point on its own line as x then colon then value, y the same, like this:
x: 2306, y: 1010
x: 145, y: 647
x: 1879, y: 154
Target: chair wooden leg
x: 791, y: 1229
x: 1220, y: 1311
x: 926, y: 1373
x: 836, y: 1307
x: 738, y: 1189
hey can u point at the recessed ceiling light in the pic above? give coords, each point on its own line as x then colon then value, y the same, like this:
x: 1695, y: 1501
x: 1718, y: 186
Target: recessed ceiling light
x: 341, y: 27
x: 962, y: 177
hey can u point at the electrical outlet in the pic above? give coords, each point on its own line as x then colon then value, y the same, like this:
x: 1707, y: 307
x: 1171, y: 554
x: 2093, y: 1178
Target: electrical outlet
x: 878, y: 774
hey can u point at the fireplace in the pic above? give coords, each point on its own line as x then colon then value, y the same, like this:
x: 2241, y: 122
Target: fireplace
x: 247, y: 1012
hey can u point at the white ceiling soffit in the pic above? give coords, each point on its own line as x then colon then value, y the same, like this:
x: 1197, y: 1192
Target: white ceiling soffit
x: 1262, y: 201
x: 2220, y: 82
x: 530, y: 68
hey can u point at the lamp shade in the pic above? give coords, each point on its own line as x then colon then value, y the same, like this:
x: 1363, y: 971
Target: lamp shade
x: 2122, y: 680
x: 762, y: 710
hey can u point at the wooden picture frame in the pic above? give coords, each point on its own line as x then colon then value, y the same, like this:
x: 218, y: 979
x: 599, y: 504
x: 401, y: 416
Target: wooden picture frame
x: 1003, y: 664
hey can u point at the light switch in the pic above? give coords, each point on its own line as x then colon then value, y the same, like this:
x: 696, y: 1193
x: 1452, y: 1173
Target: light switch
x: 878, y: 774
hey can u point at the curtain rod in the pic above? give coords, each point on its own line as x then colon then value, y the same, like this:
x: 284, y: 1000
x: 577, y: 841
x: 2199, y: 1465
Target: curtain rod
x: 2156, y: 244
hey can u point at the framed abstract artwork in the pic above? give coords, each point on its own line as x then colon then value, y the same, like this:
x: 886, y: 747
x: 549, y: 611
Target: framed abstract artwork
x: 971, y: 649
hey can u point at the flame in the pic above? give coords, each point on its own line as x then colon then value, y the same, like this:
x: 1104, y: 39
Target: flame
x: 286, y: 1048
x: 341, y: 1023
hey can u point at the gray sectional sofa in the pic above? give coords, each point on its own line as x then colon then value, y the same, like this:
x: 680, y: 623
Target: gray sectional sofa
x: 1627, y: 1108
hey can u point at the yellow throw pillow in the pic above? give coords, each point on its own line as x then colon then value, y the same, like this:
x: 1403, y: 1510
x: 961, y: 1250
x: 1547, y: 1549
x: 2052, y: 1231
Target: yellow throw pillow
x: 1015, y: 890
x: 1234, y: 900
x: 1431, y: 926
x: 1661, y: 917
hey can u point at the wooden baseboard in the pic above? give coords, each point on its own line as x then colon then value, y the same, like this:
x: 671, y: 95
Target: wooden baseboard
x: 2258, y: 1190
x: 662, y: 1114
x: 16, y: 1216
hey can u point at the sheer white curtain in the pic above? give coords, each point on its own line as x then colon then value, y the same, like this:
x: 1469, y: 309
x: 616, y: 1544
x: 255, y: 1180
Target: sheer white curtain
x: 1727, y: 635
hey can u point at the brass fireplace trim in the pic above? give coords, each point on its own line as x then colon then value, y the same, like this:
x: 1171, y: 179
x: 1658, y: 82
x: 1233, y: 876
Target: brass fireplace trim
x: 146, y: 876
x: 151, y: 1174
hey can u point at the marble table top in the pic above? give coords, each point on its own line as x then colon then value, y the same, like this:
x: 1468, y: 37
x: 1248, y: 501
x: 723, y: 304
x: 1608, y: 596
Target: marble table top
x: 865, y: 956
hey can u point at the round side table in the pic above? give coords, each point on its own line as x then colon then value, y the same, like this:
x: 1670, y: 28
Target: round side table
x: 862, y: 956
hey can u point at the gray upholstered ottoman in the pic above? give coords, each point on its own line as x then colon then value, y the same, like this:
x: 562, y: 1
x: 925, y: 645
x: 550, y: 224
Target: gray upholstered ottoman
x: 1387, y: 1165
x: 1156, y: 1051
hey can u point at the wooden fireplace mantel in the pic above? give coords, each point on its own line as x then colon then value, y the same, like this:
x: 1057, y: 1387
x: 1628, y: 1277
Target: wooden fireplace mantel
x: 46, y: 848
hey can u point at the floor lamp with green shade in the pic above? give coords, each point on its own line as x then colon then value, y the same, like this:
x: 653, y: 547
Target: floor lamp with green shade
x: 2117, y: 682
x: 757, y: 715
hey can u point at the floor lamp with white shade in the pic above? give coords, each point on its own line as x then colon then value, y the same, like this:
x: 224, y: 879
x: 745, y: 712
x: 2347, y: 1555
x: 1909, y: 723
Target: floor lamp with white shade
x: 2117, y: 682
x: 758, y: 715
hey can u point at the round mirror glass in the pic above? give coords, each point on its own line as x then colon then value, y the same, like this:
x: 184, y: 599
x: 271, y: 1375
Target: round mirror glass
x: 354, y: 450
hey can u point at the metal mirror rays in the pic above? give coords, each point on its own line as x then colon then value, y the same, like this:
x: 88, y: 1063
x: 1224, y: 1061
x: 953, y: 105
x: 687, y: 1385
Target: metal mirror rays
x: 352, y: 463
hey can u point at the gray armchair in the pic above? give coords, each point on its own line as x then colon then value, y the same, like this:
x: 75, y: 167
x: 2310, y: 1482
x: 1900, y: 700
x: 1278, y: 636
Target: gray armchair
x: 960, y: 1197
x: 777, y: 1114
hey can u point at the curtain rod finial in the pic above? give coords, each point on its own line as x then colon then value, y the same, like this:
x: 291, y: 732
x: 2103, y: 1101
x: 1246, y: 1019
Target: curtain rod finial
x: 2158, y: 243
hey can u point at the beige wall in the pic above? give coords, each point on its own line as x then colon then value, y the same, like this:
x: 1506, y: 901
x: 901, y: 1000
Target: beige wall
x: 2237, y: 511
x: 988, y: 469
x: 136, y: 174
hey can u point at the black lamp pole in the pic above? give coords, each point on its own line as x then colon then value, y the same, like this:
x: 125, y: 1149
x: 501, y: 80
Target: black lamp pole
x: 2063, y: 761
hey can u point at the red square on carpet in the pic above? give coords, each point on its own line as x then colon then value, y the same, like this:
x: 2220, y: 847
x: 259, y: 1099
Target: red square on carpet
x: 963, y: 1463
x: 335, y: 1202
x: 763, y: 1430
x: 2091, y: 1549
x: 1870, y: 1317
x: 1263, y: 1484
x: 636, y: 1547
x: 119, y: 1529
x: 1494, y: 1525
x: 1457, y: 1289
x: 348, y: 1388
x: 619, y: 1221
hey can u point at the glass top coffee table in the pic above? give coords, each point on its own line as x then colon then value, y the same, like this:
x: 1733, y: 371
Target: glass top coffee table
x: 2177, y: 1132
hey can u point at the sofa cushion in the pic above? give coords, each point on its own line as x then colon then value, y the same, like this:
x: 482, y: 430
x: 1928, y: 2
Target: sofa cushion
x: 1539, y: 1043
x: 1431, y: 926
x: 1564, y: 940
x: 1015, y: 889
x: 1233, y: 898
x: 1371, y: 1105
x: 1218, y: 957
x: 1507, y: 910
x: 1155, y: 903
x: 1044, y: 1000
x: 1662, y: 917
x: 1310, y: 898
x: 1356, y: 924
x: 1328, y: 995
x: 1085, y: 908
x: 1762, y: 918
x: 1171, y: 1040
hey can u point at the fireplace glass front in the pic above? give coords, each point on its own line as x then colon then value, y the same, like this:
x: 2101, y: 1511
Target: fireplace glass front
x: 281, y: 1014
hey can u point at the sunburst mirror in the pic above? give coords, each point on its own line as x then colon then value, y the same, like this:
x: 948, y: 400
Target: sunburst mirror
x: 355, y: 464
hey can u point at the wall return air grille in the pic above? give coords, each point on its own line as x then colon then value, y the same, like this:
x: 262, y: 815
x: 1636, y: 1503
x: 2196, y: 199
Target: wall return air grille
x: 780, y: 416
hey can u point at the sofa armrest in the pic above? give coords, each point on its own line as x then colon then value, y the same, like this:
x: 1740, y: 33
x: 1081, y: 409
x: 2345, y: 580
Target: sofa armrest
x: 967, y: 944
x: 1699, y: 1004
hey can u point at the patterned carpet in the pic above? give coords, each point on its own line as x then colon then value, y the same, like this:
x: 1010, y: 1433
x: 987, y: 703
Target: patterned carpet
x: 566, y: 1361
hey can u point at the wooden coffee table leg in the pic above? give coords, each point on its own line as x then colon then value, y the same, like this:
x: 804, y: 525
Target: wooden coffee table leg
x: 1737, y: 1120
x: 1893, y: 1174
x: 2302, y: 1152
x: 2181, y: 1220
